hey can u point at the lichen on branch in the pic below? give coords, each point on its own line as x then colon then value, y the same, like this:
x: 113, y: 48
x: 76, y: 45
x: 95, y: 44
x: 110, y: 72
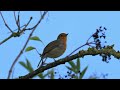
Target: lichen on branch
x: 106, y: 51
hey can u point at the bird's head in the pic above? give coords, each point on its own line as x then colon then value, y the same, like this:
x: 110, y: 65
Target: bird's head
x: 63, y: 37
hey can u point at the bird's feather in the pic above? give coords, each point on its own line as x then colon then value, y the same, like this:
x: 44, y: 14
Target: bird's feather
x: 52, y: 45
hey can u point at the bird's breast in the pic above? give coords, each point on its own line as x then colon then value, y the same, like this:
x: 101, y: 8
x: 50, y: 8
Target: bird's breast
x: 58, y: 51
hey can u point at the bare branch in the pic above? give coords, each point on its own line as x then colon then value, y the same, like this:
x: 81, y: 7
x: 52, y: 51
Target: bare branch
x: 15, y: 17
x: 38, y: 23
x: 81, y: 47
x: 17, y: 21
x: 6, y: 39
x: 5, y: 22
x: 87, y: 43
x: 76, y: 49
x: 27, y: 25
x: 19, y: 18
x: 18, y: 33
x: 13, y: 64
x: 89, y: 38
x: 20, y: 27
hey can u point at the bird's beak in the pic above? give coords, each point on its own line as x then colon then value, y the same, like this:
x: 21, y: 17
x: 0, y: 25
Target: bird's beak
x: 66, y: 34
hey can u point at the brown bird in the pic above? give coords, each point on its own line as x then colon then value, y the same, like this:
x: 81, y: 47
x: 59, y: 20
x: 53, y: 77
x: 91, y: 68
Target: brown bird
x: 55, y: 48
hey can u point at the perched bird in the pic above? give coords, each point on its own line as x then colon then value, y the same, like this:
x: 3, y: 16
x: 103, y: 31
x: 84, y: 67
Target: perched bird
x: 55, y: 48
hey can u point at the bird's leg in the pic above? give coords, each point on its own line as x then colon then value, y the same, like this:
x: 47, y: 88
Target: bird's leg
x: 43, y: 63
x: 54, y: 59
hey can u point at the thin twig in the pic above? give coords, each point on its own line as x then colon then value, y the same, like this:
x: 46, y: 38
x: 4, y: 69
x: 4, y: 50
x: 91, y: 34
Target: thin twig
x: 6, y: 39
x: 13, y: 72
x: 19, y: 33
x: 13, y: 64
x: 76, y: 49
x: 87, y: 43
x: 35, y: 25
x: 81, y: 47
x: 15, y: 16
x: 26, y: 26
x: 20, y: 27
x: 17, y: 21
x: 5, y: 22
x: 16, y: 33
x: 89, y: 38
x: 10, y: 71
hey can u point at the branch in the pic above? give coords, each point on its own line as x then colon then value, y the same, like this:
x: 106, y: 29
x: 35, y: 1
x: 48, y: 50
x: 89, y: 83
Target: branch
x: 87, y: 43
x: 6, y: 39
x: 96, y: 41
x: 42, y: 16
x: 5, y: 22
x: 17, y: 34
x: 15, y: 17
x: 17, y: 21
x: 26, y: 26
x: 14, y: 34
x: 13, y: 64
x: 80, y: 54
x: 81, y: 47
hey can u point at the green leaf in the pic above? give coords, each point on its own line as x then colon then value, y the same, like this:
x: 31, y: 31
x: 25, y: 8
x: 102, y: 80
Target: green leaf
x: 46, y: 74
x: 71, y: 69
x: 40, y: 75
x: 29, y: 67
x: 75, y: 77
x: 83, y: 73
x: 23, y: 64
x: 52, y: 74
x: 78, y: 65
x: 26, y: 66
x: 29, y: 48
x: 35, y: 38
x: 72, y: 64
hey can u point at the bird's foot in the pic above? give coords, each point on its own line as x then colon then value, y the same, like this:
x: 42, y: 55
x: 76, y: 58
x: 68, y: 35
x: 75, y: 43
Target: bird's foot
x: 54, y: 60
x: 44, y: 63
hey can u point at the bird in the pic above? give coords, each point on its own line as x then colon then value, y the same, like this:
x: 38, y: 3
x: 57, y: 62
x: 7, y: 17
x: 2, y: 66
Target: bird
x: 55, y: 48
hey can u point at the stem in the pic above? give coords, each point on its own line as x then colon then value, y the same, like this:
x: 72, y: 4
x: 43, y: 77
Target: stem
x: 5, y: 22
x: 76, y: 49
x: 80, y: 47
x: 6, y: 39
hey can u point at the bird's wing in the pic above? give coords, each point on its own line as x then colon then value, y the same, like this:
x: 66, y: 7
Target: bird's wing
x: 52, y: 45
